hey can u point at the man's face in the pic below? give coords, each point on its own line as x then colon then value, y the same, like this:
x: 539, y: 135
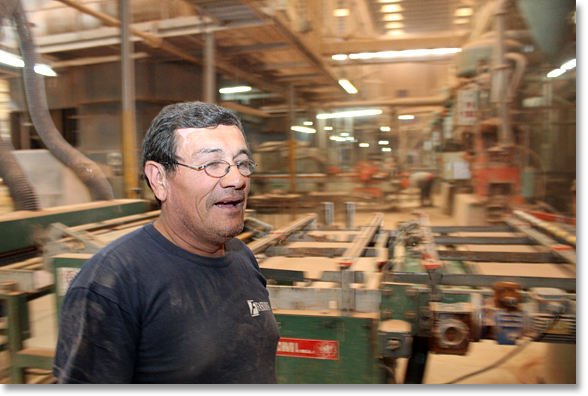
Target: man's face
x: 208, y: 209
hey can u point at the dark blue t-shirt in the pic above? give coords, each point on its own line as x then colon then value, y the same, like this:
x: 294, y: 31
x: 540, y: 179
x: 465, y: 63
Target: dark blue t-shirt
x: 143, y: 310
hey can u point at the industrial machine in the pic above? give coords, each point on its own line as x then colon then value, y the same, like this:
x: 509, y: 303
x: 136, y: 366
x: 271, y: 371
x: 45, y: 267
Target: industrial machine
x: 352, y: 301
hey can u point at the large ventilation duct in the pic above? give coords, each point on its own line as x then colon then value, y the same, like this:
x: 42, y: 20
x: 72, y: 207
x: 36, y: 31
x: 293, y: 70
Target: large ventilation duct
x: 84, y: 168
x: 549, y: 22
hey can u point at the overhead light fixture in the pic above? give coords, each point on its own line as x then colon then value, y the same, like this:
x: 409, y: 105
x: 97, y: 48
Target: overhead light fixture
x: 337, y: 138
x: 388, y: 1
x: 347, y: 86
x: 406, y: 117
x: 394, y: 25
x: 563, y: 68
x: 385, y: 129
x: 405, y: 53
x: 569, y: 65
x: 383, y: 142
x: 464, y: 12
x: 390, y: 8
x: 344, y: 133
x: 364, y: 144
x: 339, y: 57
x: 392, y: 17
x: 16, y: 61
x: 307, y: 123
x: 341, y: 12
x: 228, y: 90
x: 303, y: 129
x: 386, y: 149
x: 357, y: 113
x: 395, y: 32
x: 461, y: 21
x: 328, y: 128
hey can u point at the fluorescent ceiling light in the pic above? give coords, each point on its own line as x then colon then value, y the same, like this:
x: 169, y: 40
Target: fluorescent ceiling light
x: 388, y: 1
x: 328, y: 128
x: 390, y: 8
x: 44, y: 70
x: 393, y: 17
x: 405, y: 53
x: 385, y: 129
x: 303, y: 129
x: 307, y: 123
x: 569, y: 65
x: 386, y: 149
x: 464, y: 12
x: 383, y: 142
x: 337, y: 138
x: 406, y: 117
x: 341, y: 12
x: 348, y: 86
x: 234, y: 89
x: 364, y: 144
x: 394, y: 25
x: 395, y: 32
x: 339, y: 57
x: 461, y: 21
x: 342, y: 114
x: 555, y: 73
x: 16, y: 61
x: 344, y: 133
x: 564, y: 68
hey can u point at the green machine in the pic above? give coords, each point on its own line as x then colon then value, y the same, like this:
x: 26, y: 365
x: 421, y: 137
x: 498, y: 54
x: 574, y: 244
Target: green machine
x: 351, y: 302
x: 17, y: 229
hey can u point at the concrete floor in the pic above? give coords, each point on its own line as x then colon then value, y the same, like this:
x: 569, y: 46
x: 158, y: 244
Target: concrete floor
x: 533, y: 365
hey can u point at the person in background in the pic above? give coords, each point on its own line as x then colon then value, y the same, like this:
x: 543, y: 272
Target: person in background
x: 424, y: 181
x: 180, y: 300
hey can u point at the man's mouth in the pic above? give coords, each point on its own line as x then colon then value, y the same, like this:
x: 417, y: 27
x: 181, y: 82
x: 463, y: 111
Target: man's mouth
x: 230, y: 203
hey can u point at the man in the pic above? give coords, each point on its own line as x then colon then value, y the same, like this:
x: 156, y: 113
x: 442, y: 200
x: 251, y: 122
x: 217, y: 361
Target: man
x: 179, y: 300
x: 424, y: 181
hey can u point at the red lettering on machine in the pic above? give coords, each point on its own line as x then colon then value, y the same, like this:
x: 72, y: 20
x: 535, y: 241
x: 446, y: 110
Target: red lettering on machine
x: 312, y: 349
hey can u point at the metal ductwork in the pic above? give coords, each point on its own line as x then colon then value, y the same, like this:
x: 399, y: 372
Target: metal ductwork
x: 84, y: 168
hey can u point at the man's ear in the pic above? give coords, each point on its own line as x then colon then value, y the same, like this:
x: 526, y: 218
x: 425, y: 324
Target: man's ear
x: 157, y: 176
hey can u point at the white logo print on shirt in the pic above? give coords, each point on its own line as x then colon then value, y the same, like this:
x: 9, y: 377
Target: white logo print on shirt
x: 256, y: 307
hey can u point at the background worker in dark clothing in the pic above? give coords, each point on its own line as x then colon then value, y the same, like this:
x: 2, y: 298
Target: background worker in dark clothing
x: 424, y: 181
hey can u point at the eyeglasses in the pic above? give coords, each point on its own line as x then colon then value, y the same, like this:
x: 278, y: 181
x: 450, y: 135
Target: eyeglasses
x: 219, y: 168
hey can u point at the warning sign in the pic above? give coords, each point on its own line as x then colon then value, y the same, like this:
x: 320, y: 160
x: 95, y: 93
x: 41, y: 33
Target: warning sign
x: 467, y: 107
x: 312, y: 349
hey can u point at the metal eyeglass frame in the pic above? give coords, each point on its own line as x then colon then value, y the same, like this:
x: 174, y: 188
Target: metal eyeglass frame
x: 201, y: 167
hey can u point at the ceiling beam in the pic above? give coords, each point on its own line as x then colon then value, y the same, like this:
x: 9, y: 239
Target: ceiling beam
x: 159, y: 43
x: 442, y: 40
x: 280, y: 24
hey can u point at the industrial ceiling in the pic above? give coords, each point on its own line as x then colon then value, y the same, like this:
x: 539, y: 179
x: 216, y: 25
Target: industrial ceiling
x: 271, y: 45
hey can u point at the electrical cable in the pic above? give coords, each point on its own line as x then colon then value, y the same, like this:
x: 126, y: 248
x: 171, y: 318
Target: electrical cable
x: 509, y: 355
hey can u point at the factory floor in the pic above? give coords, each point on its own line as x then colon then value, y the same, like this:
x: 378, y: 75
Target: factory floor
x: 537, y: 363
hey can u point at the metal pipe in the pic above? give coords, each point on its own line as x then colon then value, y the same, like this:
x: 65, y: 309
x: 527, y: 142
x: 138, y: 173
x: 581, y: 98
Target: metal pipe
x: 500, y: 72
x: 129, y: 132
x: 209, y: 81
x: 291, y: 133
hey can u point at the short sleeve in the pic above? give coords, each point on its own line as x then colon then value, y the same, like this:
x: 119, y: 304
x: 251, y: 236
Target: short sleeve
x: 97, y: 340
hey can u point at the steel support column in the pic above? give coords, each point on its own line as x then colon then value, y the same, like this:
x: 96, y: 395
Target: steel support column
x: 209, y: 81
x: 129, y: 133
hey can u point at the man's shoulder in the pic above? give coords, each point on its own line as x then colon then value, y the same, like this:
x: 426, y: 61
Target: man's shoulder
x: 121, y: 252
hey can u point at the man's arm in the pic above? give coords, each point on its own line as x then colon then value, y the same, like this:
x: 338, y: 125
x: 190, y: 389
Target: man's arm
x: 97, y: 339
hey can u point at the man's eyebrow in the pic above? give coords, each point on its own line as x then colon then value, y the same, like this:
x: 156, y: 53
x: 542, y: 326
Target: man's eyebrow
x: 214, y: 150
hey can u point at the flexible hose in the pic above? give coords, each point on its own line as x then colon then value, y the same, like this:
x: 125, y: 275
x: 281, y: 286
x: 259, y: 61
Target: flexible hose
x: 22, y: 191
x: 83, y: 167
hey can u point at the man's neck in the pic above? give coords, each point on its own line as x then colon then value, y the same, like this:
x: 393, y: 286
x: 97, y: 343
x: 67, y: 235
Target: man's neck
x: 180, y: 241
